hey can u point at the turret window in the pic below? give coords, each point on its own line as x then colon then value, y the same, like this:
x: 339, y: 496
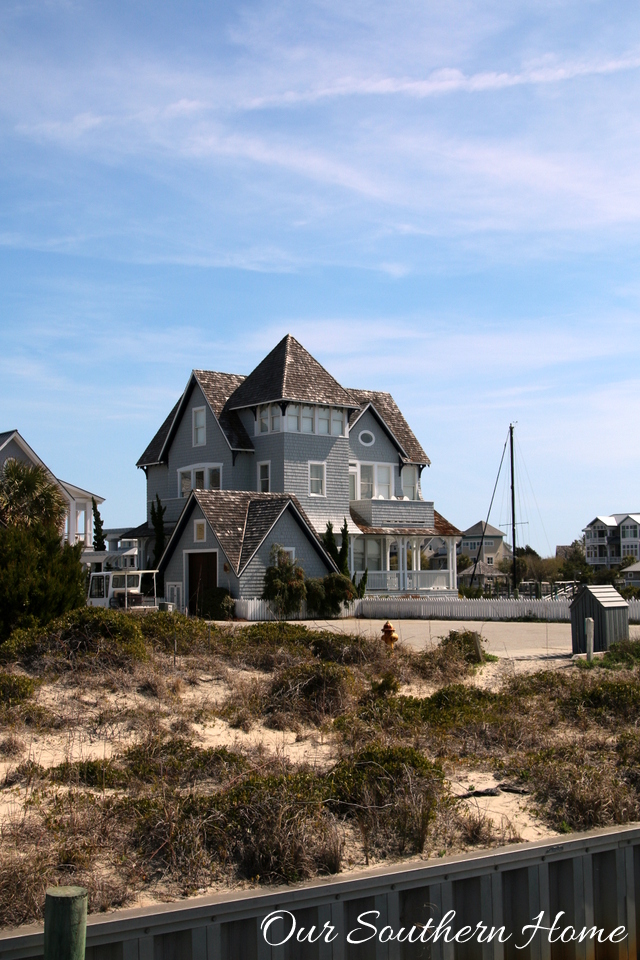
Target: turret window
x: 264, y: 419
x: 293, y: 417
x: 323, y: 420
x: 275, y: 418
x: 336, y: 423
x: 307, y: 420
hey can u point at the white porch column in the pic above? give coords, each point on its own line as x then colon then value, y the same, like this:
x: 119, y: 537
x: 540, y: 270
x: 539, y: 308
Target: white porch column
x: 72, y: 525
x: 451, y: 563
x: 403, y: 563
x: 419, y: 563
x: 88, y: 524
x: 387, y: 552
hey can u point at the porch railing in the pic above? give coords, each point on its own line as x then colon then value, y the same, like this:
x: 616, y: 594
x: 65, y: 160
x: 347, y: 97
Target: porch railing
x: 391, y: 581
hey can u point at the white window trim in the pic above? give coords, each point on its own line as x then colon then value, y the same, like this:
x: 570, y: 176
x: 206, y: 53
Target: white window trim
x: 371, y: 434
x: 195, y: 526
x: 316, y: 408
x: 195, y: 410
x: 263, y: 463
x: 375, y: 465
x: 291, y: 551
x: 192, y: 469
x: 411, y: 466
x: 323, y: 464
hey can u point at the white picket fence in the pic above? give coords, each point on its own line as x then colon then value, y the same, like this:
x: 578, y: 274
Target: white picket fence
x: 260, y: 610
x: 437, y: 608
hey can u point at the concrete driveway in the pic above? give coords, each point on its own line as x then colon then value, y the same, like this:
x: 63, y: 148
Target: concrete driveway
x: 513, y: 640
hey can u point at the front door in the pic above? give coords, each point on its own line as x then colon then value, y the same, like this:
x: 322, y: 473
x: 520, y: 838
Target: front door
x: 203, y: 578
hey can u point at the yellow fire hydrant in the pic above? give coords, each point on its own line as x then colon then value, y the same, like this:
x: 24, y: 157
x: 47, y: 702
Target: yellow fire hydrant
x: 389, y: 635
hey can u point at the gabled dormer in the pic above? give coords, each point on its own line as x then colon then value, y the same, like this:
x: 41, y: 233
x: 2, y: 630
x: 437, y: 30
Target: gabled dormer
x: 202, y: 445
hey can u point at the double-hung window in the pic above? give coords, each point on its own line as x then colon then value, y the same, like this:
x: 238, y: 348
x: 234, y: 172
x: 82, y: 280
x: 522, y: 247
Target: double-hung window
x: 308, y: 420
x: 336, y: 422
x: 185, y: 483
x: 410, y: 482
x: 275, y: 418
x: 264, y: 477
x: 323, y: 420
x: 199, y: 427
x: 264, y: 419
x: 214, y: 478
x: 198, y: 476
x: 384, y: 482
x: 316, y: 479
x: 293, y: 417
x: 366, y: 481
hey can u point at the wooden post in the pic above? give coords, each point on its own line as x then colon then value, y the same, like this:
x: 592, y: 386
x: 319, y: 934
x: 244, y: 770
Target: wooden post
x: 65, y: 923
x: 588, y: 629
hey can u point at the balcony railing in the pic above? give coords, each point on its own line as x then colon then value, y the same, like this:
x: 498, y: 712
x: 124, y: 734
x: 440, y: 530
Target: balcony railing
x: 390, y: 581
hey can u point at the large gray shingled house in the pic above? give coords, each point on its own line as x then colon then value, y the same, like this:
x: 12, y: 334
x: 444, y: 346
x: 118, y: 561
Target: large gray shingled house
x: 245, y: 462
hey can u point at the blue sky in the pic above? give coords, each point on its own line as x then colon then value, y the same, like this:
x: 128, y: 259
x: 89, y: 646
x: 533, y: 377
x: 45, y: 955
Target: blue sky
x: 439, y: 199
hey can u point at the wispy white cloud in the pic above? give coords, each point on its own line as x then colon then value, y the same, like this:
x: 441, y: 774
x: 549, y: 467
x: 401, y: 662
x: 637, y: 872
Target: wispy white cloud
x: 452, y: 80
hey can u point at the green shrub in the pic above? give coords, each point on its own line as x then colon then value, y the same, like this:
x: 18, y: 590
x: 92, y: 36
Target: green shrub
x: 15, y: 689
x: 326, y: 596
x: 190, y: 633
x: 89, y: 636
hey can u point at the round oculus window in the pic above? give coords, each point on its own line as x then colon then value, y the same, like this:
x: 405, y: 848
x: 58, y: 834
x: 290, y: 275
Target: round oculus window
x: 366, y: 438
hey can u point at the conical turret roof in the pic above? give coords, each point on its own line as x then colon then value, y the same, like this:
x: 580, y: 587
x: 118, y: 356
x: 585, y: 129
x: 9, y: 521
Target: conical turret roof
x: 289, y: 372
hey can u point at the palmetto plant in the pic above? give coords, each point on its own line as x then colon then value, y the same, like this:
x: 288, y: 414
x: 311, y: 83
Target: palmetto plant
x: 29, y: 497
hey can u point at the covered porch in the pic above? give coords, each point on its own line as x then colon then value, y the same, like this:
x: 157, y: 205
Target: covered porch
x: 394, y: 563
x: 391, y: 537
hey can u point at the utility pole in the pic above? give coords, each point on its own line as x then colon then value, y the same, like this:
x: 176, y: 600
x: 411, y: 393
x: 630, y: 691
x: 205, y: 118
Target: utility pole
x: 513, y: 510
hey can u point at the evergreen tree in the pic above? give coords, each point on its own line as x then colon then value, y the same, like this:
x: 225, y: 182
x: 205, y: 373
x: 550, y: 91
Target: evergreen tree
x: 343, y: 555
x: 284, y: 586
x: 40, y: 579
x: 98, y: 532
x: 330, y: 545
x: 157, y: 522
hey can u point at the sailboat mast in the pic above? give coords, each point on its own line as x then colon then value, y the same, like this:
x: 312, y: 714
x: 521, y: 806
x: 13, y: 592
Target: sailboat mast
x: 513, y: 510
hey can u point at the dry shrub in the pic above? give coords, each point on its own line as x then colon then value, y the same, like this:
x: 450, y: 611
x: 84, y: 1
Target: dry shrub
x: 24, y: 878
x: 454, y: 658
x: 577, y: 788
x: 11, y: 746
x: 309, y: 692
x: 90, y: 638
x: 476, y: 828
x: 188, y: 634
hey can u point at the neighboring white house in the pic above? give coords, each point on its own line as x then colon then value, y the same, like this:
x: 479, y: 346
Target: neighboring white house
x: 608, y: 539
x: 78, y: 523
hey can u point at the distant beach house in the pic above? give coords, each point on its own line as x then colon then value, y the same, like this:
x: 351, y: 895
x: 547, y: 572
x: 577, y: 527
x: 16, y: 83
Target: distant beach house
x: 78, y: 524
x: 608, y: 539
x: 328, y: 452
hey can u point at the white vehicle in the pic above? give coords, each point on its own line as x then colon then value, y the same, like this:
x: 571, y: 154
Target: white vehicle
x: 123, y: 590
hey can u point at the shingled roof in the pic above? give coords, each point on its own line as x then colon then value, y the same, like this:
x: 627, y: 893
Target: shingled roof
x: 440, y: 528
x: 289, y: 372
x: 153, y: 451
x: 217, y: 388
x: 240, y: 520
x: 388, y: 410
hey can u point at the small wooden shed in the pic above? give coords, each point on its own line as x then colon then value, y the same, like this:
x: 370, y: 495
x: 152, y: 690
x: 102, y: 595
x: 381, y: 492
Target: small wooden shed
x: 610, y: 613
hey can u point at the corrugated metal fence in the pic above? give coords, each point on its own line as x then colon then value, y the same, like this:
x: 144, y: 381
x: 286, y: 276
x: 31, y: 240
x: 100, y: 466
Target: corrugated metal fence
x: 593, y: 878
x: 433, y: 608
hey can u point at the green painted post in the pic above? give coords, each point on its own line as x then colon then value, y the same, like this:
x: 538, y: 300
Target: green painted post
x: 65, y: 923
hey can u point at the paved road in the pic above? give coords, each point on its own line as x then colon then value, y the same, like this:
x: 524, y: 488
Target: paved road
x: 514, y: 640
